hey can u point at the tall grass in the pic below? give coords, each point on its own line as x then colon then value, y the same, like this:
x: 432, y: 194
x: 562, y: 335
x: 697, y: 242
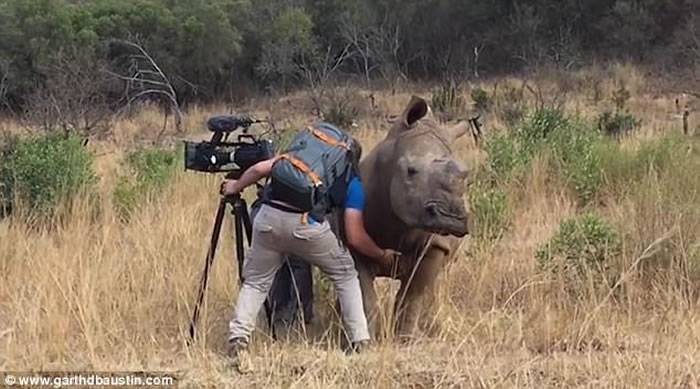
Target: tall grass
x: 95, y: 293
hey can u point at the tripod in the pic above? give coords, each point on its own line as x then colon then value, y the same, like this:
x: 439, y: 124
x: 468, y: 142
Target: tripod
x: 242, y: 225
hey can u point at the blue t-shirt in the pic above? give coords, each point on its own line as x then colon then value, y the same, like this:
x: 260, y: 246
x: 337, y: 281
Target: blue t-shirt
x: 355, y: 195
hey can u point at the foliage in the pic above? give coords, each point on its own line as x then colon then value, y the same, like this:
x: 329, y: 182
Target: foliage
x: 574, y: 149
x: 40, y: 172
x: 539, y: 126
x: 489, y: 208
x: 287, y: 42
x: 343, y: 107
x: 448, y: 100
x: 481, y: 99
x: 210, y: 46
x: 570, y: 143
x: 149, y: 171
x: 502, y: 151
x: 510, y: 106
x: 617, y: 124
x: 620, y: 97
x: 583, y: 243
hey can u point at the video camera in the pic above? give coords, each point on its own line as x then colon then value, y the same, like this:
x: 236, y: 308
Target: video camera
x: 220, y: 155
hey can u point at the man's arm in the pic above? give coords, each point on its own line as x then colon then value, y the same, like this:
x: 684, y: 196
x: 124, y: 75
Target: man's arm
x: 358, y: 238
x: 249, y: 177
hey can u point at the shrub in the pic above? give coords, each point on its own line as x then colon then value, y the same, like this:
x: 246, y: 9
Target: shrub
x: 42, y: 171
x: 574, y: 147
x: 617, y: 124
x: 447, y: 100
x: 620, y: 97
x: 502, y: 151
x: 511, y: 106
x: 570, y: 142
x: 489, y: 207
x: 538, y: 127
x: 149, y: 171
x: 481, y: 99
x: 8, y: 143
x: 582, y: 244
x: 341, y: 114
x: 343, y: 107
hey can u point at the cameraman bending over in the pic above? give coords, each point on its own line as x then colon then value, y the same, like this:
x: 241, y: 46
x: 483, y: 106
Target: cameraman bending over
x: 281, y: 229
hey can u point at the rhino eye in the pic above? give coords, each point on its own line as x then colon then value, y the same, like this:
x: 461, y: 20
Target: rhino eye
x: 412, y: 171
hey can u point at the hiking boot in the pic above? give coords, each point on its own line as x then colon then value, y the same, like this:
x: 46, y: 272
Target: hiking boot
x: 234, y: 349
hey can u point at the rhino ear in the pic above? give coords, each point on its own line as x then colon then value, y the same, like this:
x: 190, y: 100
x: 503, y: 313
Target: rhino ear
x: 416, y: 109
x: 458, y: 130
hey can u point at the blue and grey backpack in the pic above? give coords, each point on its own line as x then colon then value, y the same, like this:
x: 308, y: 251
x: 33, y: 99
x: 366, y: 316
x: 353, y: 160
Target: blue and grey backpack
x: 313, y: 172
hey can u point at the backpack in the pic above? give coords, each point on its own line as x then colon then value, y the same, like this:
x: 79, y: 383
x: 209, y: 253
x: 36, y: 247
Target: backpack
x: 313, y: 172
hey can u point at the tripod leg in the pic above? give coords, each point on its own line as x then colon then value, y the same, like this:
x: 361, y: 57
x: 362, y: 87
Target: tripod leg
x: 240, y: 248
x: 207, y: 266
x: 241, y: 209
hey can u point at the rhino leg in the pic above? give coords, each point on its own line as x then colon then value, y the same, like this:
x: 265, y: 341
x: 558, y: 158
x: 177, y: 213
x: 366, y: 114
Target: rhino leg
x: 415, y: 300
x: 369, y: 298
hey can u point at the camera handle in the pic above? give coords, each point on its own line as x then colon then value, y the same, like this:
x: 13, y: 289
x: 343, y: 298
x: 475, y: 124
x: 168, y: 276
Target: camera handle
x: 242, y: 224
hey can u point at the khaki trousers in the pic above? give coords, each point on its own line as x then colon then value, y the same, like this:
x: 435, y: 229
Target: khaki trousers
x: 277, y: 233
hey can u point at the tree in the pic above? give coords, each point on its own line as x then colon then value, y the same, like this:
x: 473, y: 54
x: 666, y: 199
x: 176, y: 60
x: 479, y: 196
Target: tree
x: 288, y: 39
x: 146, y: 79
x: 72, y: 97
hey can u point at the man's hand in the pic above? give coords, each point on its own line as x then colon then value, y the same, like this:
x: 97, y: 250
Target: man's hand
x: 249, y: 177
x: 229, y: 187
x: 390, y: 257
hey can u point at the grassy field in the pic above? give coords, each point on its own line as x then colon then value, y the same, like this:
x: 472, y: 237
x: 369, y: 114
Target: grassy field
x: 92, y: 292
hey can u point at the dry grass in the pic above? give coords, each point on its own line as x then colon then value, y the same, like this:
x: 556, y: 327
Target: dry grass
x: 97, y: 294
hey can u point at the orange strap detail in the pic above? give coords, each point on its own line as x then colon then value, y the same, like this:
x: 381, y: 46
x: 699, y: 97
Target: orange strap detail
x: 301, y: 165
x: 327, y: 139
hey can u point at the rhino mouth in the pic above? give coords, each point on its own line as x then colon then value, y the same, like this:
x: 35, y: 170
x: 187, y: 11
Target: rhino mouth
x: 444, y: 220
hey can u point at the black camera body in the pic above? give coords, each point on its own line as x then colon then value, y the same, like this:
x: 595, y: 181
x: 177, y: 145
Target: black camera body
x: 220, y: 155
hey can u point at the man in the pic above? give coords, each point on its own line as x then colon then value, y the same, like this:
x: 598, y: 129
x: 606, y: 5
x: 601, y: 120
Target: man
x: 280, y: 229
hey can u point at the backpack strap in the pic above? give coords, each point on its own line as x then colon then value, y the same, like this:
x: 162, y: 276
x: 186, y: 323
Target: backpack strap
x: 302, y: 166
x: 327, y: 139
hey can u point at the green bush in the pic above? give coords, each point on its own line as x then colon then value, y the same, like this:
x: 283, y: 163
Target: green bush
x: 489, y: 207
x: 570, y: 142
x: 582, y: 244
x: 343, y: 106
x: 149, y: 171
x: 341, y: 113
x: 42, y: 171
x: 539, y: 126
x: 8, y: 143
x: 510, y: 106
x: 617, y: 124
x: 574, y: 148
x: 447, y: 100
x: 482, y: 101
x: 502, y: 151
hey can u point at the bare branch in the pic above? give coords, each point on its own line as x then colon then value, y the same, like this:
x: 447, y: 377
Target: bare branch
x: 146, y: 78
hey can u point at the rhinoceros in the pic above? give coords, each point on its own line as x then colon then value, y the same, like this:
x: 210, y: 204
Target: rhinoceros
x: 414, y: 191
